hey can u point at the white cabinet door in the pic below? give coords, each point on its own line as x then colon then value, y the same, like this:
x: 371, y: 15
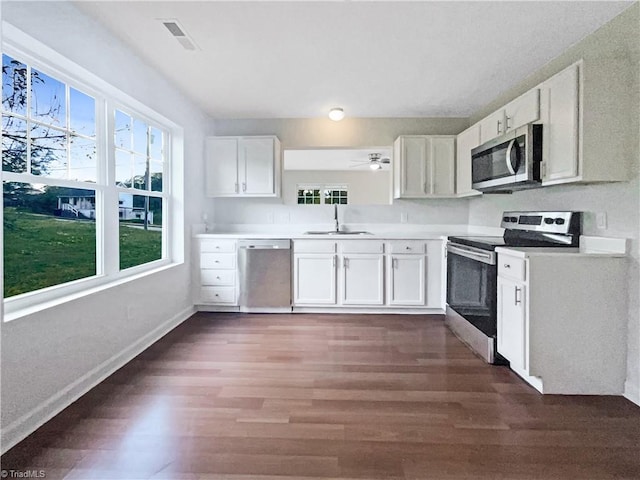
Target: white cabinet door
x: 314, y: 279
x: 222, y: 166
x: 465, y: 142
x: 523, y: 110
x: 407, y: 276
x: 492, y: 126
x: 257, y: 165
x: 441, y: 160
x: 362, y: 279
x: 560, y: 114
x: 413, y: 168
x: 512, y: 334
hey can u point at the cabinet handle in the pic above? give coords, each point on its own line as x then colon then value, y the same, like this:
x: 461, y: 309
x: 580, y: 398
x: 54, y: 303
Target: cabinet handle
x: 507, y: 126
x: 506, y: 265
x: 334, y: 261
x: 499, y: 127
x: 544, y: 170
x: 518, y: 300
x: 345, y: 262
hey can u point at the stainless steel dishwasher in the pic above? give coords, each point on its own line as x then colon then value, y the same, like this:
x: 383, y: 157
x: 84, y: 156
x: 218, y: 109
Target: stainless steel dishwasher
x: 265, y: 275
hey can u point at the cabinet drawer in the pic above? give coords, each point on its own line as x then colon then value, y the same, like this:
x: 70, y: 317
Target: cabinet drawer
x: 314, y: 246
x: 406, y: 246
x: 218, y: 294
x: 361, y: 246
x: 217, y: 260
x: 512, y: 267
x: 218, y: 277
x: 218, y: 246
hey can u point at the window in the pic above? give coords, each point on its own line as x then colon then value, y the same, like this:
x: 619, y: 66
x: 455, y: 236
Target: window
x: 78, y: 156
x: 48, y: 158
x: 323, y: 194
x: 139, y: 157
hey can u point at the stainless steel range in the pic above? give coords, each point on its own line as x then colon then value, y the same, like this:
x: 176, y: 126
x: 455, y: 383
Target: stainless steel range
x: 472, y: 272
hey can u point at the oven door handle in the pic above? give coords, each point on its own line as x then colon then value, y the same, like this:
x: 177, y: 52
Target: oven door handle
x: 473, y: 253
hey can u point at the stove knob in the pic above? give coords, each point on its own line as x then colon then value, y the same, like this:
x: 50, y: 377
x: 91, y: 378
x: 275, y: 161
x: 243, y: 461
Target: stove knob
x: 506, y: 219
x: 549, y: 221
x: 559, y: 221
x: 513, y: 219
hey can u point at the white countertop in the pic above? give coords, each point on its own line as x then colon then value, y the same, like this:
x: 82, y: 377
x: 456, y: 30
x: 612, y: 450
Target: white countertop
x: 589, y: 247
x: 378, y: 231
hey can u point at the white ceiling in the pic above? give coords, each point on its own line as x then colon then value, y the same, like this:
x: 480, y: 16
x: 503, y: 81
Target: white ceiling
x: 375, y: 59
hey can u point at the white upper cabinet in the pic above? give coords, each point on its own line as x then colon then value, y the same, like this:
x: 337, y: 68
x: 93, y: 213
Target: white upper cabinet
x: 424, y: 166
x: 465, y: 142
x: 588, y: 133
x: 559, y: 105
x: 521, y: 111
x: 243, y: 166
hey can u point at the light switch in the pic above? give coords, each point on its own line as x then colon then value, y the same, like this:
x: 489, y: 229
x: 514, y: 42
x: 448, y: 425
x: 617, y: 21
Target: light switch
x: 601, y: 220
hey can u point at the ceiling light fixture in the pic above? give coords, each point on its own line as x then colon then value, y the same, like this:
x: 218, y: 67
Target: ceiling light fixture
x: 375, y: 166
x: 336, y: 114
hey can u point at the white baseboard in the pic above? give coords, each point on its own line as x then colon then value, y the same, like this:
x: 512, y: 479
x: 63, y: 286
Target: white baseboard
x: 632, y: 392
x: 20, y: 428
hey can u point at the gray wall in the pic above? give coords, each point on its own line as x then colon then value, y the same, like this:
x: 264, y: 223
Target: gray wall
x: 618, y: 40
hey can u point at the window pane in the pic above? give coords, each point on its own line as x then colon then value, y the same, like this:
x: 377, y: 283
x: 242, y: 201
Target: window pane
x: 156, y: 175
x: 84, y: 163
x: 82, y: 114
x: 48, y: 152
x: 48, y: 99
x: 157, y: 144
x: 14, y: 85
x: 139, y: 137
x: 123, y: 130
x: 139, y: 172
x: 124, y: 170
x: 140, y: 241
x: 14, y: 144
x: 49, y: 236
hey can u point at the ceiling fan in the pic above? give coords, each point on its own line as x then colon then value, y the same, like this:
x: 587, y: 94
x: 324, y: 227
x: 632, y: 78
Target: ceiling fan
x: 375, y: 162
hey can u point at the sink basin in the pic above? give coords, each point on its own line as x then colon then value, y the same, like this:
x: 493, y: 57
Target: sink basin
x: 341, y: 232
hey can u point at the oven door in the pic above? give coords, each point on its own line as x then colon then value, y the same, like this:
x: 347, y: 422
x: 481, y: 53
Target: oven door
x: 471, y: 286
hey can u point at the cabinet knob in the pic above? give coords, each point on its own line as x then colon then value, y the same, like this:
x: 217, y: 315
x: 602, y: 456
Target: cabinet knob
x: 506, y: 265
x: 407, y: 248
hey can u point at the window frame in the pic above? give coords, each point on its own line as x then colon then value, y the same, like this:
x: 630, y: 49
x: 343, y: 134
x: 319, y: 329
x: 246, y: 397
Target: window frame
x: 323, y: 187
x: 25, y: 48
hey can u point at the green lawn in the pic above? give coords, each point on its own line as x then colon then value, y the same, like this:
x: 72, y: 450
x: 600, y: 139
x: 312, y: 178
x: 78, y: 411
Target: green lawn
x: 41, y: 251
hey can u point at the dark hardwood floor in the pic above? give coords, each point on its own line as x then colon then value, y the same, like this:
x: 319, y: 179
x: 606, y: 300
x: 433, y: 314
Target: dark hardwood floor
x: 266, y: 397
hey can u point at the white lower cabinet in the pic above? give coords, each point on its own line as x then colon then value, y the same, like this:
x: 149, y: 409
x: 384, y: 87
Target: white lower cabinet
x: 562, y: 320
x: 362, y: 279
x: 314, y: 277
x: 217, y: 272
x: 369, y: 274
x: 406, y: 280
x: 512, y: 332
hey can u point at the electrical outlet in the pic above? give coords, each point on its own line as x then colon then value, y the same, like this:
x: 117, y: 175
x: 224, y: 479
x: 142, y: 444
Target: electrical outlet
x: 601, y: 220
x: 404, y: 217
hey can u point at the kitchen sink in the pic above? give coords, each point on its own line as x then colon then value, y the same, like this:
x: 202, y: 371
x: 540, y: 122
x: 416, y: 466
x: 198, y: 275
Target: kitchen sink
x: 339, y: 232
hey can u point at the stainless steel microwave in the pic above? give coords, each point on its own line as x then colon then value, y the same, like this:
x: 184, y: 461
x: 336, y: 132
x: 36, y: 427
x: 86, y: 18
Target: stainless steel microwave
x: 509, y: 162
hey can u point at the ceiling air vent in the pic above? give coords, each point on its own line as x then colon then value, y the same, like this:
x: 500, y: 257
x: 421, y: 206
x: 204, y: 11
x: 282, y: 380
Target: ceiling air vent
x: 178, y: 32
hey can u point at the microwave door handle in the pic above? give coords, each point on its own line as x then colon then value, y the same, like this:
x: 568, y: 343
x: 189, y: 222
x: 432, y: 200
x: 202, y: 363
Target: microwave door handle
x: 508, y: 157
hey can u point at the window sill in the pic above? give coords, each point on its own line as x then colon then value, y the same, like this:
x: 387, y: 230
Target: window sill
x: 65, y: 298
